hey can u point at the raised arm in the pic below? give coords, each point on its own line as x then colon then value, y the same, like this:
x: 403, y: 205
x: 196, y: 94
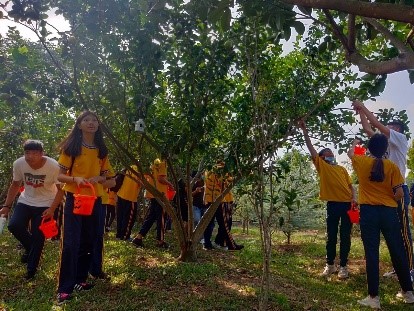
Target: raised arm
x: 365, y: 124
x: 350, y: 152
x: 308, y: 142
x: 362, y: 110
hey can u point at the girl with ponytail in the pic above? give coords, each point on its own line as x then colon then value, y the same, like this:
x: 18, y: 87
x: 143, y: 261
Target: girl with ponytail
x: 380, y: 188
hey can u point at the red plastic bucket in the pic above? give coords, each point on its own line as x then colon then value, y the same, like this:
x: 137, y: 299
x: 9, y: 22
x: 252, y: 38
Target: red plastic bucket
x: 353, y: 214
x: 49, y: 227
x: 170, y: 193
x: 359, y: 150
x: 84, y: 203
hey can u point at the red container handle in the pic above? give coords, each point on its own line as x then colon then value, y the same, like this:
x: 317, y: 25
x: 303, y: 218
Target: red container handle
x: 86, y: 185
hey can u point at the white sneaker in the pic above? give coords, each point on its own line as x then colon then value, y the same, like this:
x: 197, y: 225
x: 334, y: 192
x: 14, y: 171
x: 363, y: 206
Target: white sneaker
x: 408, y: 296
x: 329, y: 269
x: 389, y: 274
x: 343, y: 273
x: 368, y: 301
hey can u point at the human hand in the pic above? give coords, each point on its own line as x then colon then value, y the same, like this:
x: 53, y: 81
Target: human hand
x: 79, y: 180
x: 96, y: 179
x: 5, y: 211
x: 357, y: 105
x: 48, y: 213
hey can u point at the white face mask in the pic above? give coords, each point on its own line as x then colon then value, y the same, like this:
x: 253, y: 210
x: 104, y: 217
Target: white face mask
x: 330, y: 160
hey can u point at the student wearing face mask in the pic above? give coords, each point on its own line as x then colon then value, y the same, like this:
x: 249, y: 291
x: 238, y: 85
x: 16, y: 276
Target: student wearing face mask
x: 335, y: 188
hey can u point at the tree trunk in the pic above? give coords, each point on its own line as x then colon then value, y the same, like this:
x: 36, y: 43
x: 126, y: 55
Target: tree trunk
x: 267, y: 254
x: 188, y: 252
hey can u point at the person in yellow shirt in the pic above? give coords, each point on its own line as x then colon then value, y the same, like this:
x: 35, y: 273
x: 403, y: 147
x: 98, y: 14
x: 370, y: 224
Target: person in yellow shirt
x: 380, y: 189
x: 335, y: 188
x: 83, y: 160
x: 155, y: 212
x: 127, y: 205
x: 226, y: 214
x: 212, y: 189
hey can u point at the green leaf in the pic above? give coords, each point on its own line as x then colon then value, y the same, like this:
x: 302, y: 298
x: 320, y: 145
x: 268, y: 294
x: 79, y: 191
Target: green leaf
x: 411, y: 76
x: 305, y: 9
x: 299, y: 27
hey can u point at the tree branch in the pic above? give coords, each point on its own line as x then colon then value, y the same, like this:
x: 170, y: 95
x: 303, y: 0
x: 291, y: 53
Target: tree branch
x: 388, y: 35
x: 351, y: 33
x: 389, y: 11
x: 399, y: 63
x: 337, y: 31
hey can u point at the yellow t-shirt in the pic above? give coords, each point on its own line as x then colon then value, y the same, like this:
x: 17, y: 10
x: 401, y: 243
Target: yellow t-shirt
x: 109, y: 197
x: 334, y: 182
x: 130, y: 188
x: 376, y: 193
x: 229, y: 196
x: 212, y: 187
x: 86, y: 165
x: 159, y: 169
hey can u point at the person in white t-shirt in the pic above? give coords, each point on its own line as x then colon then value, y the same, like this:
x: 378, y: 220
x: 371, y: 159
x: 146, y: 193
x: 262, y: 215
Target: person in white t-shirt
x: 397, y: 153
x: 41, y: 196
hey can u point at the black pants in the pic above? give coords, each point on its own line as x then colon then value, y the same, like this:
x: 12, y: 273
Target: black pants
x: 155, y: 214
x: 223, y: 231
x: 125, y: 218
x: 81, y: 240
x: 336, y: 212
x: 110, y: 215
x: 33, y: 241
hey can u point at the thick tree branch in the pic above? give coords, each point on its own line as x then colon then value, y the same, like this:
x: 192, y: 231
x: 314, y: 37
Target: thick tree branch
x: 400, y: 63
x: 351, y: 32
x: 389, y: 11
x: 337, y: 31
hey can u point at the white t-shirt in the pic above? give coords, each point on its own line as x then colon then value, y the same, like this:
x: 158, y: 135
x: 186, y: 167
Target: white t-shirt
x: 39, y: 185
x: 397, y: 150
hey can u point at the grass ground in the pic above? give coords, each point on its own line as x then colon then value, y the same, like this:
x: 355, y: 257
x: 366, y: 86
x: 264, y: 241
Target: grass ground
x: 151, y: 279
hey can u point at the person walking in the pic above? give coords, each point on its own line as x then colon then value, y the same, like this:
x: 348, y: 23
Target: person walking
x: 337, y: 190
x: 212, y: 190
x: 155, y: 211
x: 83, y: 160
x: 127, y: 205
x: 41, y: 196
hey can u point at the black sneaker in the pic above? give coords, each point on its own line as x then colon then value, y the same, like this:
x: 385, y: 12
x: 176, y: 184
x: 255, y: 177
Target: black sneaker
x: 25, y: 257
x: 30, y: 275
x: 102, y: 276
x: 163, y: 244
x: 63, y: 297
x: 237, y: 247
x: 83, y: 286
x: 137, y: 242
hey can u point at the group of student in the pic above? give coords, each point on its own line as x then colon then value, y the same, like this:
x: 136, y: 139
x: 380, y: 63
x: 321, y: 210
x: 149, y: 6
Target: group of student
x: 383, y: 200
x: 84, y: 164
x: 83, y: 161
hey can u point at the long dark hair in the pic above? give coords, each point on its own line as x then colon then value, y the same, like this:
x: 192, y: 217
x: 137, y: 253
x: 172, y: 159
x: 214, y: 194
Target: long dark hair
x: 377, y: 146
x: 72, y: 144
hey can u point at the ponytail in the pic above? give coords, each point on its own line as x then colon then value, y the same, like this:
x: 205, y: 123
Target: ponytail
x: 377, y: 171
